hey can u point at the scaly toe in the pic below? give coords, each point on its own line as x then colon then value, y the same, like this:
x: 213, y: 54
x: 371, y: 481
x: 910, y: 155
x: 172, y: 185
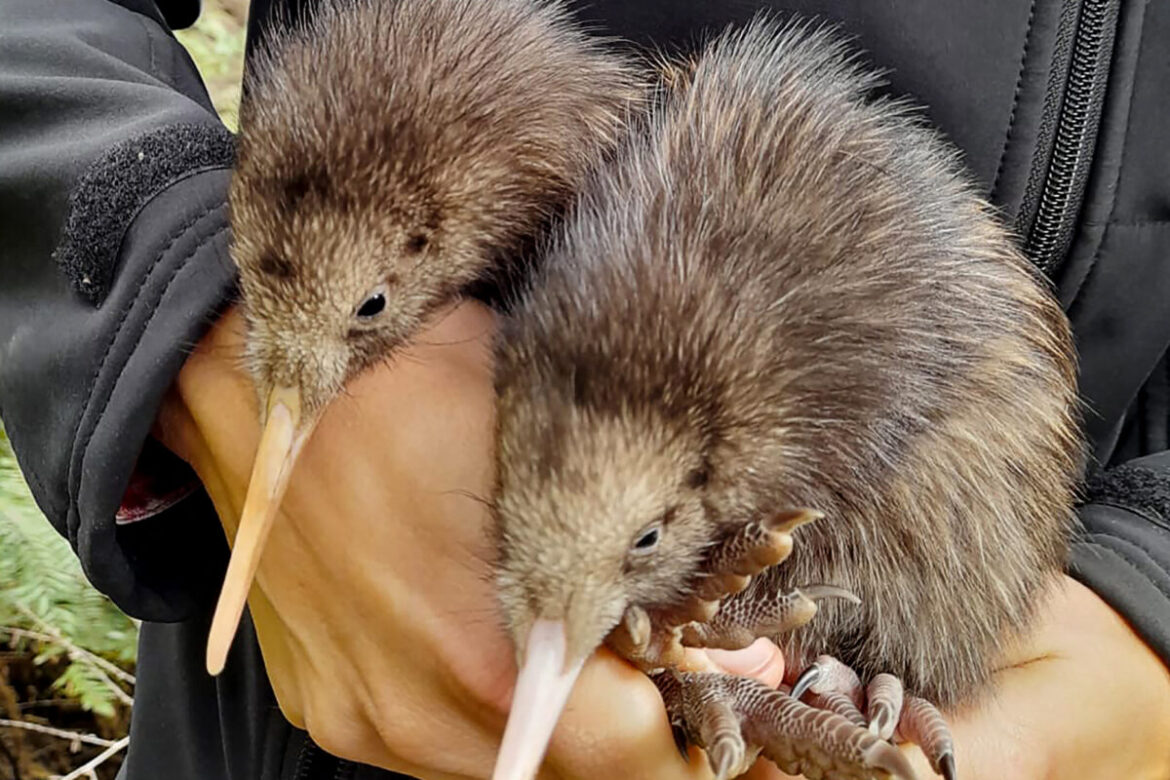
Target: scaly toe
x: 758, y: 545
x: 884, y: 696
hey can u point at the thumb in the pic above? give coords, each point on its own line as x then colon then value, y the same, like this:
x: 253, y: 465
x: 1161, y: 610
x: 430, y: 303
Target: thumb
x: 761, y: 660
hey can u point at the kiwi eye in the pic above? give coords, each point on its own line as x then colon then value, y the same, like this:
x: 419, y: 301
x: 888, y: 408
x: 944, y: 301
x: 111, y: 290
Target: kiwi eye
x: 372, y: 307
x: 647, y: 541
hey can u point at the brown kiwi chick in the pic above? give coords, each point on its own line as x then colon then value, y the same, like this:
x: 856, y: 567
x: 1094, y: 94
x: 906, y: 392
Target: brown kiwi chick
x: 781, y: 294
x: 391, y: 153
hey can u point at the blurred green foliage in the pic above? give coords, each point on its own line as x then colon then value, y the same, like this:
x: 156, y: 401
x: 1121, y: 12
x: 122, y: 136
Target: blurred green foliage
x: 216, y: 44
x: 43, y: 591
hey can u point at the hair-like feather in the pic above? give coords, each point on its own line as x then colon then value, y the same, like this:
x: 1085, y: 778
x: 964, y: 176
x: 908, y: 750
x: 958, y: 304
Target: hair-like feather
x: 785, y: 294
x: 410, y: 148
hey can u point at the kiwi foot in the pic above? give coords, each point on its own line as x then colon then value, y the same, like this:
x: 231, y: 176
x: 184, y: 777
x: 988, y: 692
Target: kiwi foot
x: 654, y: 639
x: 737, y: 720
x: 833, y: 686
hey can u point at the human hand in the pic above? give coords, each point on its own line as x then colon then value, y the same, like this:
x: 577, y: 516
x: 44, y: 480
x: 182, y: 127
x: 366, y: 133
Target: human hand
x: 378, y: 623
x: 373, y: 602
x: 1083, y: 697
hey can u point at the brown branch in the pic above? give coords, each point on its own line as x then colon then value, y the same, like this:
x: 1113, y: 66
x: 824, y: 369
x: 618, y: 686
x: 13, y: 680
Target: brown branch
x: 72, y: 736
x: 79, y: 655
x: 88, y: 767
x: 53, y: 636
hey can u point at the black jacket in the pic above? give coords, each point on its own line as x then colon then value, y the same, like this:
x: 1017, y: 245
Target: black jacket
x: 113, y: 260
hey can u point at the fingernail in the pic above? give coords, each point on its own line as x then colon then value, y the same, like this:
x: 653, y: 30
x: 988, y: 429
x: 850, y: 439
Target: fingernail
x: 750, y: 661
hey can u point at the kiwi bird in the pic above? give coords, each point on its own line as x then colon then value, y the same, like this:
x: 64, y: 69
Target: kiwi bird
x: 392, y: 153
x: 781, y: 301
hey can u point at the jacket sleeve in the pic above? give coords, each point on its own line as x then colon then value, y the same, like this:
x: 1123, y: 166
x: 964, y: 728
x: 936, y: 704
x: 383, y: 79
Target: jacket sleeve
x: 1124, y: 552
x: 113, y: 260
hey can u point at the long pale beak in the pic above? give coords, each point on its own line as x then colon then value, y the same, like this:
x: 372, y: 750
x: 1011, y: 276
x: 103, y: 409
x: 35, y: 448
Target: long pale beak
x: 280, y: 443
x: 543, y: 687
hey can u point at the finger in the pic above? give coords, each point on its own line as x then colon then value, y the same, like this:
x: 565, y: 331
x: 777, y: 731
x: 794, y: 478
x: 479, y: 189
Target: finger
x: 761, y: 660
x: 615, y: 718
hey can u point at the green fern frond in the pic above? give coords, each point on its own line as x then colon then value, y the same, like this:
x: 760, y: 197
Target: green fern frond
x: 42, y: 585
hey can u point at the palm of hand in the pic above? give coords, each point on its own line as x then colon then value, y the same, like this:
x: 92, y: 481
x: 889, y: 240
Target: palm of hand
x: 1082, y: 697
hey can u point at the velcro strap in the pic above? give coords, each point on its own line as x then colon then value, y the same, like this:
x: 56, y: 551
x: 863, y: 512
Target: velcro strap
x: 118, y: 184
x: 1133, y: 487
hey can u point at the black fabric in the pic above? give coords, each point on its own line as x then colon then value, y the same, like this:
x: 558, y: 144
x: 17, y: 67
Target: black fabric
x: 1124, y: 554
x: 177, y: 14
x: 79, y: 384
x: 960, y: 61
x: 1114, y: 284
x: 201, y: 727
x: 1135, y: 487
x: 111, y: 192
x: 1124, y: 560
x: 81, y: 380
x: 266, y: 15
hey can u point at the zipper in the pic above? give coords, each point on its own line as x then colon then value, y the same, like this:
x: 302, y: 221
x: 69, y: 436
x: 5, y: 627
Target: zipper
x: 305, y: 760
x: 313, y: 763
x: 1069, y: 124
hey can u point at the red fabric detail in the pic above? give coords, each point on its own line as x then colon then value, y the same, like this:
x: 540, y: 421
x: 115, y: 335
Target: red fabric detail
x: 160, y: 481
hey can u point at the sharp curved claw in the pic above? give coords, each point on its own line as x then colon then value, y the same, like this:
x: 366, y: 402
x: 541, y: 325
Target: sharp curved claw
x: 816, y: 592
x: 882, y: 722
x: 637, y: 623
x: 714, y: 587
x: 791, y: 519
x: 725, y: 757
x: 946, y: 766
x: 886, y: 757
x: 680, y: 741
x: 807, y: 679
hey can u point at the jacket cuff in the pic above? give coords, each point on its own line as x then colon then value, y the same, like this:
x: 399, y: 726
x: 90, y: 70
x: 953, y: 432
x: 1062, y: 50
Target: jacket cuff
x: 174, y: 275
x: 1124, y: 552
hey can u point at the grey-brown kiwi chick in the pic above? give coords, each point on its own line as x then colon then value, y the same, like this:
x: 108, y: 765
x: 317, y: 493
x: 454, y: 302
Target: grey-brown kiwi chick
x: 783, y: 294
x: 392, y: 152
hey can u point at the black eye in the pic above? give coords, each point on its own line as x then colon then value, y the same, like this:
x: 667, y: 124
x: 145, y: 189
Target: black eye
x: 275, y: 265
x: 373, y: 306
x: 648, y: 540
x: 698, y: 478
x: 417, y: 243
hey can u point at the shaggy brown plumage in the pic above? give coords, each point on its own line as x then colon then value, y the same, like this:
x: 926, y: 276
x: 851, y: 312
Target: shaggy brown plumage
x: 403, y: 149
x: 392, y: 152
x: 783, y: 294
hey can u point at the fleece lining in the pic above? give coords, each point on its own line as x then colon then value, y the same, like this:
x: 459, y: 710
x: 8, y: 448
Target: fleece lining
x: 116, y: 186
x: 1134, y: 487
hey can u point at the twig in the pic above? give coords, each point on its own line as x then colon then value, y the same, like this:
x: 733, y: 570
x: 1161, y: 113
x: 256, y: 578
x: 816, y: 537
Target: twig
x: 52, y: 635
x: 88, y: 767
x: 72, y: 736
x: 99, y: 665
x: 78, y: 655
x: 64, y: 703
